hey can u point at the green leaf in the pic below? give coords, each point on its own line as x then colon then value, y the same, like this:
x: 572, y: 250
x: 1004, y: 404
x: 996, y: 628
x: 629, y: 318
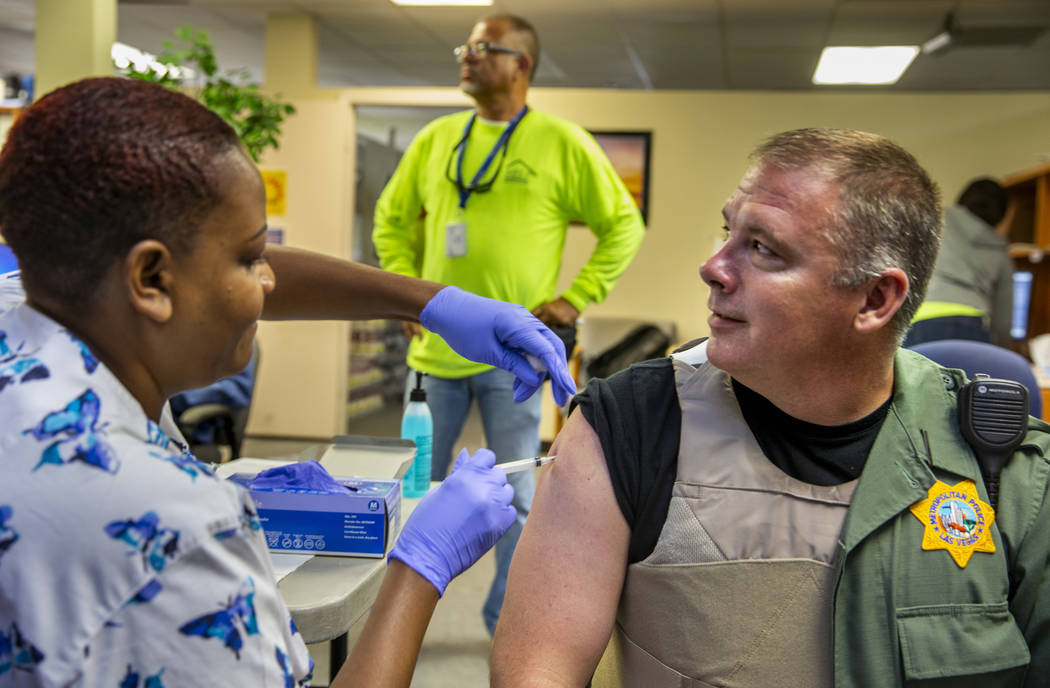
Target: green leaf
x: 256, y: 117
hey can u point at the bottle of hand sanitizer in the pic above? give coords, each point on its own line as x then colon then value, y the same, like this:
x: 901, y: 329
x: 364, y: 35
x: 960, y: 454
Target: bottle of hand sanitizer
x: 418, y: 426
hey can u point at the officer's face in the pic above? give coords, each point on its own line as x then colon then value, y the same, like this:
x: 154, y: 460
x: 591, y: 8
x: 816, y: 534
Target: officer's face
x: 774, y: 314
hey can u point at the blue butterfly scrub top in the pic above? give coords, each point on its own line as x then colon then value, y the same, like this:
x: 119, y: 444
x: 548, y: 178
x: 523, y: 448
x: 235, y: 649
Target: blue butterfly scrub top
x: 123, y: 561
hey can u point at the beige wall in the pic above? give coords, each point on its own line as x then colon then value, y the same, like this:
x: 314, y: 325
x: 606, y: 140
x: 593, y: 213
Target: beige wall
x: 700, y: 144
x: 301, y: 382
x: 72, y: 40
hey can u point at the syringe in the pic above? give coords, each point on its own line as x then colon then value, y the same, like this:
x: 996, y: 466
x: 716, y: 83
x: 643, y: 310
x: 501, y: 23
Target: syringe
x: 522, y: 464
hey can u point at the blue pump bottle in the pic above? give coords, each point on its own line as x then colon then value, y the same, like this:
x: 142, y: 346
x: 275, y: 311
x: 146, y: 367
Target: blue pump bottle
x: 418, y: 426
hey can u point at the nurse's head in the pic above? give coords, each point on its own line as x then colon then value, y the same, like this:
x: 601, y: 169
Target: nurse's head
x: 139, y: 223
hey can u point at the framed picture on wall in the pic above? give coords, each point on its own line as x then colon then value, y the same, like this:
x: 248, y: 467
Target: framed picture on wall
x: 629, y: 153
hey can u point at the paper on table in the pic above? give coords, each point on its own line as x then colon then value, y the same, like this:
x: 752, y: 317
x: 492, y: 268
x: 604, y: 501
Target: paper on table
x: 246, y: 465
x: 1039, y: 348
x: 283, y: 564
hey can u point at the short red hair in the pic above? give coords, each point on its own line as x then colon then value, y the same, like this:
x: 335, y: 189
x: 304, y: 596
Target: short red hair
x: 98, y: 165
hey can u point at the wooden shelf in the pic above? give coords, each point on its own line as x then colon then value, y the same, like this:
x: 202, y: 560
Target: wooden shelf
x: 1029, y: 236
x: 1026, y: 175
x: 1029, y: 252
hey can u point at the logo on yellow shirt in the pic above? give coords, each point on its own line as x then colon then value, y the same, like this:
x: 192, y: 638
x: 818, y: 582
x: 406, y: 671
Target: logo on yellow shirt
x: 518, y: 171
x: 955, y: 519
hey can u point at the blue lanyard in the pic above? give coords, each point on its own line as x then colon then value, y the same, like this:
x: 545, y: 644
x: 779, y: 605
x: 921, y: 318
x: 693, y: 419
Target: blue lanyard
x: 465, y: 191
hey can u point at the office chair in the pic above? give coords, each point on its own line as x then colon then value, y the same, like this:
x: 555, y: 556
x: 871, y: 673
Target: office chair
x: 219, y: 410
x: 8, y: 262
x: 974, y: 357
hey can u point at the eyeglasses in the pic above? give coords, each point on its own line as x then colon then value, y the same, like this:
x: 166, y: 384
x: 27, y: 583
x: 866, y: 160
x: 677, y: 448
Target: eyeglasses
x: 481, y: 50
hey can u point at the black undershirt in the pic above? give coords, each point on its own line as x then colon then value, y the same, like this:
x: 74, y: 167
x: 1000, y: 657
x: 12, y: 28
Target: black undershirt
x: 815, y: 454
x: 636, y: 416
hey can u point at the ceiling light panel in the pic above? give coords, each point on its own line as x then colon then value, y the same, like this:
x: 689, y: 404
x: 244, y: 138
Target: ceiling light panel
x: 442, y: 3
x: 867, y: 65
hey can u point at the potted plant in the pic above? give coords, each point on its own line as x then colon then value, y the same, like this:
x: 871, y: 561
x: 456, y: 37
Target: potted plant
x: 255, y: 116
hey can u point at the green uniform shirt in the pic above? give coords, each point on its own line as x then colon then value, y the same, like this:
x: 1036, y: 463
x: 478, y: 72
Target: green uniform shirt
x: 908, y: 616
x: 553, y: 172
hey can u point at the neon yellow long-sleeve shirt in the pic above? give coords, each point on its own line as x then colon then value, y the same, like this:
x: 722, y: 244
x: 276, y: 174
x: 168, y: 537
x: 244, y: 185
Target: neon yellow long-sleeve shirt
x: 553, y: 172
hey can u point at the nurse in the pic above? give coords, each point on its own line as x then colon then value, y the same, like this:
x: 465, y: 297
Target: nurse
x: 138, y: 222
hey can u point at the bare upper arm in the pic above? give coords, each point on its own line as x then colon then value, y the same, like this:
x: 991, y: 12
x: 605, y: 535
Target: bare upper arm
x: 567, y: 573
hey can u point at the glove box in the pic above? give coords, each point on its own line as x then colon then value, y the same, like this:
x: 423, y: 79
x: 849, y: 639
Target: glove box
x: 360, y: 523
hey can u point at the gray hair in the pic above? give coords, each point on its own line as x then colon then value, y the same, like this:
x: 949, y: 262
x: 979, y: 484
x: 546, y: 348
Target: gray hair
x: 888, y: 212
x: 527, y: 33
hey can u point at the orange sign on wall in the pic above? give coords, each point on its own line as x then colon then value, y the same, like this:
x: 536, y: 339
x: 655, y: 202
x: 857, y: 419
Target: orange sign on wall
x: 276, y: 182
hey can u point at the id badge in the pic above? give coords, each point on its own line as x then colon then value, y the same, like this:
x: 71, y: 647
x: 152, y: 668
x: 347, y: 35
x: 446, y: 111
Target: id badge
x: 456, y: 239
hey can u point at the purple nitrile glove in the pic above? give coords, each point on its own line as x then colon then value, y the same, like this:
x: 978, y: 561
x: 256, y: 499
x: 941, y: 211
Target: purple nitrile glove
x: 308, y: 475
x: 499, y: 334
x: 457, y: 521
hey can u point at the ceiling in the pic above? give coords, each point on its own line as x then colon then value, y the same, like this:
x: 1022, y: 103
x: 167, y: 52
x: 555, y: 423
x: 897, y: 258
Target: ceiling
x: 636, y: 44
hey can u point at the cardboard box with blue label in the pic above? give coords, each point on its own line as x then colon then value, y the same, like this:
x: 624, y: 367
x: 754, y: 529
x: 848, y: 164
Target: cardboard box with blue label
x: 360, y: 522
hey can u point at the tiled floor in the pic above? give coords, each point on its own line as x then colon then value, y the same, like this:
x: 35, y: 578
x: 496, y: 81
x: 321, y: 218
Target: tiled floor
x: 456, y: 648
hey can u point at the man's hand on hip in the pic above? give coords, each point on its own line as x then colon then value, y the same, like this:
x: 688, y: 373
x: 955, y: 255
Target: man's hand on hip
x: 412, y: 329
x: 557, y: 313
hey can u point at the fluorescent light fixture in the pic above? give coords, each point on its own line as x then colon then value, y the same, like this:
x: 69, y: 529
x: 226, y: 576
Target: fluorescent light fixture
x: 943, y: 39
x: 938, y: 42
x: 124, y: 56
x: 882, y: 64
x: 442, y: 3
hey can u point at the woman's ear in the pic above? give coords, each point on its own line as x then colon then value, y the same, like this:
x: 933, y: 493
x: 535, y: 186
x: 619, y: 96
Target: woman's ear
x: 149, y: 276
x: 884, y: 297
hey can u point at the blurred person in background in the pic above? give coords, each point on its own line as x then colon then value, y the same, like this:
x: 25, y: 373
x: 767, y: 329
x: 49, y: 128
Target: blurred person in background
x: 971, y: 291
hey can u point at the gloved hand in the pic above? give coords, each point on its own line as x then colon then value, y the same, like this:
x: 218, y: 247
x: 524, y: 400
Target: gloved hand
x: 499, y: 334
x: 458, y: 521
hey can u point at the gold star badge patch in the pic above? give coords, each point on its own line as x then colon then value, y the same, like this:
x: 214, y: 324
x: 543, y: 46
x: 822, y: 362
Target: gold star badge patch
x: 956, y: 520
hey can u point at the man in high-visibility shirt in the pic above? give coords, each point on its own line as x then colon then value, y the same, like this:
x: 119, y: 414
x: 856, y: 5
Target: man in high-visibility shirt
x: 497, y: 188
